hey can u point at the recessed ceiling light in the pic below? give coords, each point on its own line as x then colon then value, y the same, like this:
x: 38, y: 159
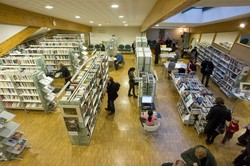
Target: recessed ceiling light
x: 48, y: 29
x: 91, y: 22
x: 156, y: 25
x: 77, y: 17
x: 121, y: 16
x: 124, y: 22
x: 49, y: 7
x: 114, y: 6
x: 99, y: 24
x: 242, y: 25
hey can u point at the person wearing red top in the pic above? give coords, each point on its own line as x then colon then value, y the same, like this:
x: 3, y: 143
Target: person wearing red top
x: 149, y: 119
x: 232, y: 128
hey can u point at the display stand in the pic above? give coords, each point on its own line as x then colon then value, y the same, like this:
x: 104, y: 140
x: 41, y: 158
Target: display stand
x: 11, y: 141
x: 81, y: 103
x: 195, y: 101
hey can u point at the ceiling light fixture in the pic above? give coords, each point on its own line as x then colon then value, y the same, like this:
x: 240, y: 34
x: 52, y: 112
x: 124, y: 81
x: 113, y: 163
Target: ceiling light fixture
x: 242, y: 25
x: 49, y: 7
x: 156, y: 25
x: 126, y: 25
x: 77, y: 17
x: 99, y: 25
x: 124, y: 22
x: 114, y: 6
x: 91, y: 22
x: 121, y: 16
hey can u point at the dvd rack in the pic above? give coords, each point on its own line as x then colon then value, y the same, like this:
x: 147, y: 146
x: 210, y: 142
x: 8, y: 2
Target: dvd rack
x: 81, y: 103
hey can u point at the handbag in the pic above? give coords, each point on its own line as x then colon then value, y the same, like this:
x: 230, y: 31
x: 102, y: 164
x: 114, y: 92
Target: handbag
x: 221, y: 128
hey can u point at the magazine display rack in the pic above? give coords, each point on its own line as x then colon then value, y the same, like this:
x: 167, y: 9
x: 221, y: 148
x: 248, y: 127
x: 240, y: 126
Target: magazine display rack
x: 11, y: 141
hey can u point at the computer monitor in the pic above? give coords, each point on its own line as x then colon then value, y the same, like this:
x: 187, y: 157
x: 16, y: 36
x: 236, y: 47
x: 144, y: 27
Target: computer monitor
x: 245, y: 86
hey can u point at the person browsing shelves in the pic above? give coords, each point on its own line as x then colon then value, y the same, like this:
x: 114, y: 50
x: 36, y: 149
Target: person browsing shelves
x: 119, y: 60
x: 65, y: 72
x: 149, y: 119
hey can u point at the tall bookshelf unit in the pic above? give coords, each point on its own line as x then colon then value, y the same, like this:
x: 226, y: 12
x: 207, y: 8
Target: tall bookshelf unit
x: 80, y: 108
x: 228, y: 72
x: 11, y: 141
x: 25, y: 90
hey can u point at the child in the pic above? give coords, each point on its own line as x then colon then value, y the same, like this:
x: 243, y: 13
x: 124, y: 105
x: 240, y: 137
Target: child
x: 232, y: 128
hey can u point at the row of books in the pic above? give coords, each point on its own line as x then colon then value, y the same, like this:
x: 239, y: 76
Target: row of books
x: 29, y: 98
x: 10, y: 97
x: 64, y: 57
x: 4, y: 77
x: 6, y: 85
x: 33, y: 105
x: 59, y: 44
x: 14, y: 61
x: 21, y: 77
x: 54, y: 51
x: 7, y: 91
x: 12, y: 104
x: 28, y: 91
x: 24, y: 84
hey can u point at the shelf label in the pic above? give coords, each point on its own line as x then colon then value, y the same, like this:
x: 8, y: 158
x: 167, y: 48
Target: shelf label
x: 72, y: 133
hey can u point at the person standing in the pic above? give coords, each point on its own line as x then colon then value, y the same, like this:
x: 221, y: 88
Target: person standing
x: 232, y: 128
x: 243, y: 139
x: 207, y: 68
x: 191, y: 66
x: 112, y: 95
x: 133, y: 47
x: 65, y: 73
x: 131, y: 76
x: 194, y: 53
x: 168, y: 42
x: 157, y: 52
x: 218, y: 115
x: 198, y: 156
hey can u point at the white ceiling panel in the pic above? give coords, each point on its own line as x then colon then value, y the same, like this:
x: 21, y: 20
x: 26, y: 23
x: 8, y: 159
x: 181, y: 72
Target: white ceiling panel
x: 99, y: 11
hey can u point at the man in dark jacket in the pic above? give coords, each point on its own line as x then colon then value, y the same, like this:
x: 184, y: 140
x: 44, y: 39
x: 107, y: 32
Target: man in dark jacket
x: 157, y: 52
x: 217, y: 115
x: 207, y: 68
x: 198, y: 156
x: 112, y: 95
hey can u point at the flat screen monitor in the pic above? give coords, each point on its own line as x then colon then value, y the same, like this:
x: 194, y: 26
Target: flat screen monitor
x: 245, y: 86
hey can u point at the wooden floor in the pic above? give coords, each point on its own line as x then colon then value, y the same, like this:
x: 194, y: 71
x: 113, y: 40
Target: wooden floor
x: 119, y: 140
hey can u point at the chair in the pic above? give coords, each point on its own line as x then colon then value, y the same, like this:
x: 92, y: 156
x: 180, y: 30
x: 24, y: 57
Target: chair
x: 90, y: 47
x: 128, y: 48
x: 151, y: 130
x: 97, y: 47
x: 121, y: 48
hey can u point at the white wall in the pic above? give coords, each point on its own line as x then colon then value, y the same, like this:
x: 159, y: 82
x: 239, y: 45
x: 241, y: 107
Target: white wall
x: 207, y: 37
x: 153, y: 34
x: 226, y: 37
x: 124, y: 35
x: 9, y: 30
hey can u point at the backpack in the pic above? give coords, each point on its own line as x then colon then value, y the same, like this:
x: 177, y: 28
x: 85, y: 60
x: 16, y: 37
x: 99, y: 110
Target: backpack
x: 116, y: 86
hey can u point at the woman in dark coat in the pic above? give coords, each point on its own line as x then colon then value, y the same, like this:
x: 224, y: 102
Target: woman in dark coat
x: 217, y: 115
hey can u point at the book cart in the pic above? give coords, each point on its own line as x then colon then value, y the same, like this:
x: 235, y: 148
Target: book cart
x: 195, y: 100
x: 81, y: 103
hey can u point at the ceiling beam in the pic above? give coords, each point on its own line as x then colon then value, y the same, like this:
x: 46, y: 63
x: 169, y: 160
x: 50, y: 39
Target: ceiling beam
x: 164, y: 9
x: 13, y: 41
x: 227, y: 26
x: 16, y: 16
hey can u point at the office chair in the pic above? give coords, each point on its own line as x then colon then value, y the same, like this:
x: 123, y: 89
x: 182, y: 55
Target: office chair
x: 150, y: 131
